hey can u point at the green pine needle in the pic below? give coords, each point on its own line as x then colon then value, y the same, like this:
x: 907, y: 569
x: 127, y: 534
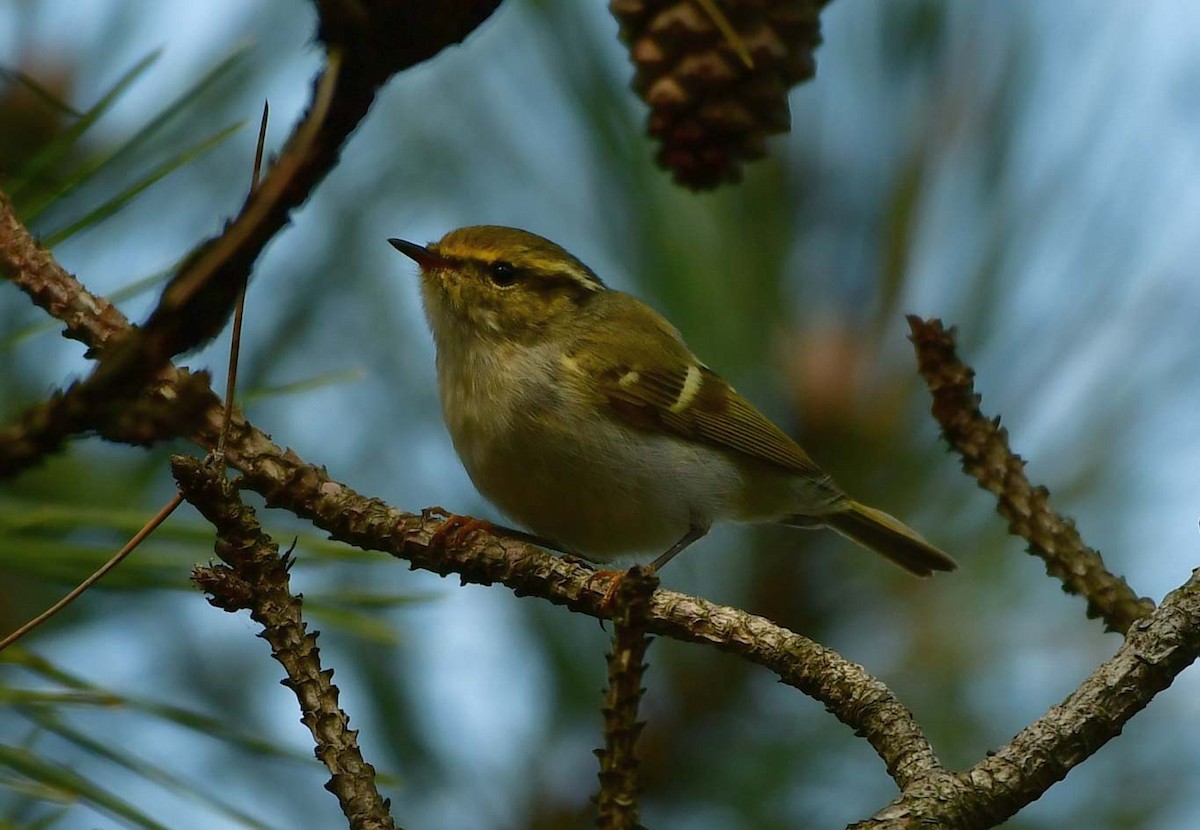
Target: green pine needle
x: 208, y: 726
x: 50, y: 722
x: 297, y: 387
x: 119, y: 201
x: 72, y: 786
x: 89, y: 170
x: 56, y: 151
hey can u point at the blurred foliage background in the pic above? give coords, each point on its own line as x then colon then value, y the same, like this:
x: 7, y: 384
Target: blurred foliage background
x: 1028, y: 171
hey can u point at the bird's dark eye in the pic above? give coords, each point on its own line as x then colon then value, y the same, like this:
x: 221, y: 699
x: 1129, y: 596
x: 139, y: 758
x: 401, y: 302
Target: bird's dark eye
x: 502, y: 273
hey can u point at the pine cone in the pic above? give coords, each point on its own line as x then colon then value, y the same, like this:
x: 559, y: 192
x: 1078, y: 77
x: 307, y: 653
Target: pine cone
x: 711, y: 110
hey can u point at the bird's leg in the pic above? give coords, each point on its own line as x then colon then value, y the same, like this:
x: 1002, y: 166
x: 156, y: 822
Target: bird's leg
x: 696, y: 531
x: 614, y: 577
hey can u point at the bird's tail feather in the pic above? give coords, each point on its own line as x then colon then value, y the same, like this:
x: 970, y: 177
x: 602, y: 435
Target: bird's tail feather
x: 890, y: 537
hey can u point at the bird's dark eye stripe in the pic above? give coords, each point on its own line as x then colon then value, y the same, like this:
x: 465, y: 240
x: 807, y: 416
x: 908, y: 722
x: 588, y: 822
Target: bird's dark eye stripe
x: 502, y: 273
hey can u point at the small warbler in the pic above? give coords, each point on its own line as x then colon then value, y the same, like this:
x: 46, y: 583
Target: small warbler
x: 580, y: 412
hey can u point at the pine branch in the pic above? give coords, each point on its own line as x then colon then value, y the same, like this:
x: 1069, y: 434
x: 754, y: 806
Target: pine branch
x: 983, y: 445
x: 368, y: 43
x: 255, y: 577
x: 1156, y: 649
x: 617, y: 802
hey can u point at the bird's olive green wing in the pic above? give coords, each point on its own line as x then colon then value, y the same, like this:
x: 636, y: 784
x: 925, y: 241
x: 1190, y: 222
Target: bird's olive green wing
x: 648, y: 378
x: 696, y: 403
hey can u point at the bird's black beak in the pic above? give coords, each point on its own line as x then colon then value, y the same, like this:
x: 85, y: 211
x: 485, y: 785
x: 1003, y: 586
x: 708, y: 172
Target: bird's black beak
x: 418, y: 253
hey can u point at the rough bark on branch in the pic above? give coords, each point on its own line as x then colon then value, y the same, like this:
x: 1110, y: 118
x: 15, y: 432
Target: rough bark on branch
x: 255, y: 577
x: 983, y: 445
x: 617, y: 801
x: 1156, y: 649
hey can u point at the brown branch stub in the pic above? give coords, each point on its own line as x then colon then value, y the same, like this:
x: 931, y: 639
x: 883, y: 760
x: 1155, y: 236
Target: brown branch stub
x: 255, y: 576
x: 617, y: 802
x: 983, y: 446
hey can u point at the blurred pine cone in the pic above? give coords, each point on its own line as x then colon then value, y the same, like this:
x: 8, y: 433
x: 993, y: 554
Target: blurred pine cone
x: 716, y: 95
